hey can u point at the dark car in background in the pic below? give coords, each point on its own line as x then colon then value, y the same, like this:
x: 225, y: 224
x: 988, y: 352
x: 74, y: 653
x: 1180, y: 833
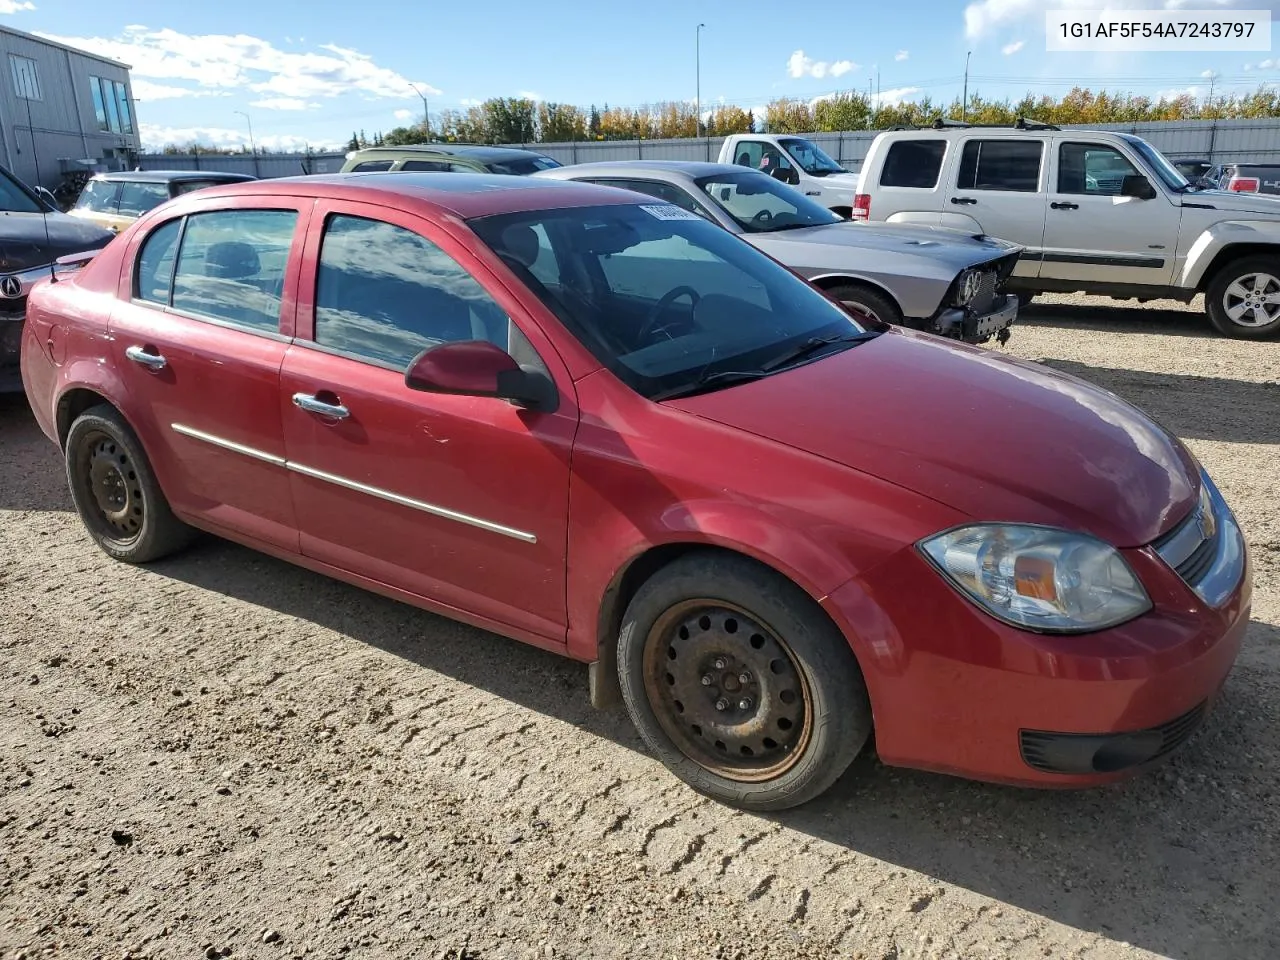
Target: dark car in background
x: 1248, y: 178
x: 33, y: 234
x: 448, y: 158
x: 115, y: 200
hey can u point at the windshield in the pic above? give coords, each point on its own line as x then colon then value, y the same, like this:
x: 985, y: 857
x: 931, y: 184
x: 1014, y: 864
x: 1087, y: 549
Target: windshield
x: 662, y: 298
x: 15, y: 199
x: 1158, y: 162
x: 760, y: 204
x: 523, y: 166
x: 810, y: 158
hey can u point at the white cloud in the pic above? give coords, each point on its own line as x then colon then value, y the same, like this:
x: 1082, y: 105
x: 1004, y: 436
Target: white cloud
x: 1009, y: 49
x: 901, y: 55
x: 470, y: 102
x: 144, y: 91
x: 1173, y: 93
x: 240, y: 61
x: 157, y: 137
x: 403, y: 115
x: 283, y: 103
x: 531, y: 95
x: 12, y: 6
x: 801, y: 65
x: 1209, y: 75
x: 983, y: 17
x: 891, y: 98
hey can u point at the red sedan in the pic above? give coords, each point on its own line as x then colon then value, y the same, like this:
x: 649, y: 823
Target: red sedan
x: 593, y: 422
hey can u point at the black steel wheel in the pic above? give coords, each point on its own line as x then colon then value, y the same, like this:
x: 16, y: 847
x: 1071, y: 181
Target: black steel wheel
x: 740, y: 683
x: 115, y: 491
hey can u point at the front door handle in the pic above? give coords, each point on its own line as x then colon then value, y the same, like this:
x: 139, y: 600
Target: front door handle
x: 312, y: 404
x: 963, y: 200
x: 144, y: 356
x: 1064, y: 205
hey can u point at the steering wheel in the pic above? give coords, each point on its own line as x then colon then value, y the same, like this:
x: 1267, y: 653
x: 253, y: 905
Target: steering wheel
x: 764, y: 217
x: 671, y: 296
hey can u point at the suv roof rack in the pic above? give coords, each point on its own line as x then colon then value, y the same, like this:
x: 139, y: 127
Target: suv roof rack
x: 1022, y: 123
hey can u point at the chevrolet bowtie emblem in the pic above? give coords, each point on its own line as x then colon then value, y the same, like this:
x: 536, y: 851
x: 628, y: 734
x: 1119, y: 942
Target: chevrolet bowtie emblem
x: 10, y: 287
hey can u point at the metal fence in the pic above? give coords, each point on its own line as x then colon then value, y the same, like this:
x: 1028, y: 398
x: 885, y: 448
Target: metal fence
x: 1220, y: 141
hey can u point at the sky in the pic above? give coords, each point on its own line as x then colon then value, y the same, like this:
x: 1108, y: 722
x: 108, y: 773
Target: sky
x: 313, y: 77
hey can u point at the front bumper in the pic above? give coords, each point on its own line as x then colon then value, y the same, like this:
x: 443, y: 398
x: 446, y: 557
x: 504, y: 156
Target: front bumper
x: 955, y: 691
x: 972, y: 327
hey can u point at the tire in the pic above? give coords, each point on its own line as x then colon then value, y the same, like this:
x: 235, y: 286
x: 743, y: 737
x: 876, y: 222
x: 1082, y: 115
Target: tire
x: 692, y: 632
x: 868, y: 300
x: 1234, y: 285
x: 1024, y: 298
x: 115, y: 490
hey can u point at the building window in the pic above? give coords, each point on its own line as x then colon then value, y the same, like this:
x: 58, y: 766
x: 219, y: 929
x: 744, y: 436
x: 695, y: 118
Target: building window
x: 126, y: 116
x: 111, y: 105
x: 99, y: 104
x: 25, y: 81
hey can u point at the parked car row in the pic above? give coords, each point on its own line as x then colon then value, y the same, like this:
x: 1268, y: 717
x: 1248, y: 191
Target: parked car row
x: 596, y: 420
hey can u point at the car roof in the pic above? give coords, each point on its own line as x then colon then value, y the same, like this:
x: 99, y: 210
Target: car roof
x: 465, y: 195
x: 166, y: 176
x: 470, y: 151
x: 690, y: 168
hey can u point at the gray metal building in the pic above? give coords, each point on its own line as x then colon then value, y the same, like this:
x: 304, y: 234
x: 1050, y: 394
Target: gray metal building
x: 62, y: 110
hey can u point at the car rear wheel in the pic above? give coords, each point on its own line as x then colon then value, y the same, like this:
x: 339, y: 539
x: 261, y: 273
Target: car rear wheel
x: 740, y: 684
x: 866, y: 300
x: 115, y: 491
x: 1243, y: 301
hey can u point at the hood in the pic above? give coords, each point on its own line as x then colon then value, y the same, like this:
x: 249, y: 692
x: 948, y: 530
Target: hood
x: 995, y: 438
x: 828, y: 244
x: 838, y: 181
x: 24, y: 243
x: 1262, y: 204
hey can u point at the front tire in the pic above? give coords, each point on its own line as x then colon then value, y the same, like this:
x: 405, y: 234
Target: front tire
x: 1243, y: 299
x: 740, y: 684
x: 866, y: 300
x: 115, y: 490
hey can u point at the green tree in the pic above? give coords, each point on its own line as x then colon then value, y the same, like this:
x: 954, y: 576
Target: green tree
x: 788, y: 116
x: 510, y: 120
x: 560, y: 123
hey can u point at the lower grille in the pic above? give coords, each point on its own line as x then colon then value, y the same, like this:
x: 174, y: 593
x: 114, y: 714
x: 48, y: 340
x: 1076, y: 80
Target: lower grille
x: 985, y: 301
x: 1078, y: 753
x: 1191, y: 547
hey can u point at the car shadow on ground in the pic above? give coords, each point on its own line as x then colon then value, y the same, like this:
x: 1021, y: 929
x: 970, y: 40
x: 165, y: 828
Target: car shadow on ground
x: 42, y: 488
x: 1126, y: 316
x: 1193, y: 407
x: 1081, y: 858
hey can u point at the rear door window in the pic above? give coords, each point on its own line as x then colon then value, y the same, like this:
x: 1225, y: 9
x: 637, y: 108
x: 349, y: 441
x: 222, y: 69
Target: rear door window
x: 137, y: 198
x: 370, y: 166
x: 913, y: 163
x: 1011, y: 165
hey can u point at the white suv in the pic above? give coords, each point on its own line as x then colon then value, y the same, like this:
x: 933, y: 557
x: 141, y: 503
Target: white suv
x: 1097, y: 212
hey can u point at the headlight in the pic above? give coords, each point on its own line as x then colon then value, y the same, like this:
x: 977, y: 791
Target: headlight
x: 1039, y: 578
x: 967, y: 288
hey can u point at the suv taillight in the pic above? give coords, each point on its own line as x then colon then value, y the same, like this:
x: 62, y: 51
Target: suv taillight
x: 1243, y: 185
x: 861, y: 207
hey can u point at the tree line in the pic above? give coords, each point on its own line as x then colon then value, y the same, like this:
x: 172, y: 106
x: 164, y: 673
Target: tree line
x: 522, y: 120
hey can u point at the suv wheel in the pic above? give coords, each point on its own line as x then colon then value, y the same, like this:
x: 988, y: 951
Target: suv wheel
x: 1243, y: 300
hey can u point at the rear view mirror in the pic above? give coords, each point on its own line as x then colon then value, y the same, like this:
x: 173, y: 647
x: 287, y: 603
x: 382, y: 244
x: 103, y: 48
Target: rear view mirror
x: 1137, y: 186
x: 477, y: 368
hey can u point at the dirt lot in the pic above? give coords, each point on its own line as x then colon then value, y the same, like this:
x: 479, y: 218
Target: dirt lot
x: 223, y: 755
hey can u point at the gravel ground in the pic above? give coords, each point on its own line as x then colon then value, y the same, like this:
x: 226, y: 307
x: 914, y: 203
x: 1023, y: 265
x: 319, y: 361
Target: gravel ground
x: 224, y: 755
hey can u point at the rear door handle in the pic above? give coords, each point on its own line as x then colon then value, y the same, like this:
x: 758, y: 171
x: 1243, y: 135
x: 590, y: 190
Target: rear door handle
x: 1064, y: 205
x: 312, y: 404
x: 144, y: 356
x: 963, y: 200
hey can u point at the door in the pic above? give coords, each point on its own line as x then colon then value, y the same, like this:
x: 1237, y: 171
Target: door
x: 459, y: 500
x: 200, y: 344
x: 1094, y: 234
x: 1001, y: 183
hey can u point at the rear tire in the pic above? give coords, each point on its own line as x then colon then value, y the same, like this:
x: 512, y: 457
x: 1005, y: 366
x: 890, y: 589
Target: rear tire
x: 115, y: 490
x: 867, y: 300
x: 740, y: 684
x: 1238, y: 288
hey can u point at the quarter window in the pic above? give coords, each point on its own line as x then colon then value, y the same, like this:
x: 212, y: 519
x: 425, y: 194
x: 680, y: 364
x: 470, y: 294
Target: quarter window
x: 1092, y: 169
x: 435, y: 166
x: 384, y: 294
x: 26, y: 82
x: 1012, y: 165
x: 913, y: 163
x: 653, y: 188
x: 231, y: 266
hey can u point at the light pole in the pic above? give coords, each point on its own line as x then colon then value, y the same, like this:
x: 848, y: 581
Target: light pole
x: 697, y: 67
x: 253, y: 147
x: 426, y: 114
x: 964, y: 105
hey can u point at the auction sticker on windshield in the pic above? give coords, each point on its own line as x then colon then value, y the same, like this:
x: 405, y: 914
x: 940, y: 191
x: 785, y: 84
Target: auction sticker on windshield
x: 668, y: 211
x: 1171, y: 31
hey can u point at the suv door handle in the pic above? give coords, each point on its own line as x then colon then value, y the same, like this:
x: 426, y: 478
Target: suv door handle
x: 963, y: 200
x: 312, y: 404
x: 144, y: 356
x: 1064, y: 205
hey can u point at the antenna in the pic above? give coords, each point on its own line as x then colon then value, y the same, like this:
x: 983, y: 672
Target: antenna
x: 44, y: 204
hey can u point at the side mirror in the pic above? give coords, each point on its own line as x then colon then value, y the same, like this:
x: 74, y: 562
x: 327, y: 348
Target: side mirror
x: 477, y: 368
x: 1137, y: 186
x: 47, y: 196
x: 786, y: 175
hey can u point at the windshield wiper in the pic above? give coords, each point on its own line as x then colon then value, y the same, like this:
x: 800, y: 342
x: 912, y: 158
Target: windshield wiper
x: 725, y: 377
x: 813, y: 345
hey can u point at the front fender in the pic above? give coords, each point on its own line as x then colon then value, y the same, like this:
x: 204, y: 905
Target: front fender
x: 1206, y: 247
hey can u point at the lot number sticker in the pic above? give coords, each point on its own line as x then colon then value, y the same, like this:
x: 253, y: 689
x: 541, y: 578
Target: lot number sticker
x: 668, y: 211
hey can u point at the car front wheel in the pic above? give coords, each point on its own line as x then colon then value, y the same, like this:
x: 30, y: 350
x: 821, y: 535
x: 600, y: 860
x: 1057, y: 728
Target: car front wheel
x: 115, y: 491
x: 1243, y: 301
x: 740, y: 684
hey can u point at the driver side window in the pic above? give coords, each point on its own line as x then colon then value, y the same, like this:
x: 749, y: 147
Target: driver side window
x: 1091, y: 169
